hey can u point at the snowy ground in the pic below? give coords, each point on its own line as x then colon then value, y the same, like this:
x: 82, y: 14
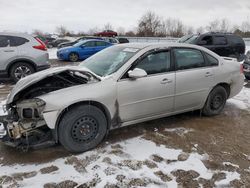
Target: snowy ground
x: 132, y: 162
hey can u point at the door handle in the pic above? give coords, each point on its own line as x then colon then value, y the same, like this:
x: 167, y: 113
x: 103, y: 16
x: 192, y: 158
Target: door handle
x: 166, y: 81
x: 8, y: 50
x: 208, y: 74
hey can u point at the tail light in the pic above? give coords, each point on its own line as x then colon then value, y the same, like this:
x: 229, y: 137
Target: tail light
x: 41, y: 45
x: 241, y: 69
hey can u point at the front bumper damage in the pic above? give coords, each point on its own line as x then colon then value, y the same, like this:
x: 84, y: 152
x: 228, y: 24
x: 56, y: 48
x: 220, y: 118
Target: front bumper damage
x: 24, y: 126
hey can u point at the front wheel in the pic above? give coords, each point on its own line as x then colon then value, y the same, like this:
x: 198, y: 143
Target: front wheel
x: 215, y: 102
x: 82, y: 128
x: 20, y: 70
x: 73, y: 57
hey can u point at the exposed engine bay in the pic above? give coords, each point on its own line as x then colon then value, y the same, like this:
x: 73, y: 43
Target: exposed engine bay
x: 24, y: 126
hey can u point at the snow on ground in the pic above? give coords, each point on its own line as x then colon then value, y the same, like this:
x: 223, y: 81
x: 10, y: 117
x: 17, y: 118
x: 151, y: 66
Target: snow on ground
x: 135, y: 158
x: 242, y: 100
x: 52, y: 53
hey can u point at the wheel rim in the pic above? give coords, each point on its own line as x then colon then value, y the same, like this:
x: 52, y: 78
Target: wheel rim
x: 73, y: 57
x: 84, y: 129
x: 217, y: 102
x: 21, y: 72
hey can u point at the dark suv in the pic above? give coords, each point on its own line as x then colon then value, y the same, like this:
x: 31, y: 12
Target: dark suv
x: 224, y: 44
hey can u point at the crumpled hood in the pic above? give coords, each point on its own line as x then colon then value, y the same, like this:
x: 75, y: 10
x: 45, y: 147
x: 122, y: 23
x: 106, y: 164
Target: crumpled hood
x: 36, y: 77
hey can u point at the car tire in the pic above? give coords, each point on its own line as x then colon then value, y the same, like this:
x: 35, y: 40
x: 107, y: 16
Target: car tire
x: 73, y: 57
x: 20, y: 70
x: 82, y: 128
x: 215, y: 102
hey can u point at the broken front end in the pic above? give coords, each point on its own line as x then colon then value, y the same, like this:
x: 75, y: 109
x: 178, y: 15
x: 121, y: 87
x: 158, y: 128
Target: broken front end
x: 24, y: 125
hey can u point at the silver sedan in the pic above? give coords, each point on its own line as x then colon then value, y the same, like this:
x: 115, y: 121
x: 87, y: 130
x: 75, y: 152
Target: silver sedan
x: 119, y: 86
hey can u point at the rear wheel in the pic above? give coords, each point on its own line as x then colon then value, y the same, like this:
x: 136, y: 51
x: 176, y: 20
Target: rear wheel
x: 215, y: 102
x: 73, y: 57
x: 20, y: 70
x: 82, y: 128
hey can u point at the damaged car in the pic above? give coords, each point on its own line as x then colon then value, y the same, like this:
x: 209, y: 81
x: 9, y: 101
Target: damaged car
x: 125, y: 84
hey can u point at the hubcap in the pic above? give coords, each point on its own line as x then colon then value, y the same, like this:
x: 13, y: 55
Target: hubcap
x: 84, y: 129
x: 217, y: 102
x: 73, y: 57
x: 21, y: 72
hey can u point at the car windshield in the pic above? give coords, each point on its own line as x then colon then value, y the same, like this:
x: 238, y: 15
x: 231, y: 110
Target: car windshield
x: 191, y: 39
x: 109, y: 60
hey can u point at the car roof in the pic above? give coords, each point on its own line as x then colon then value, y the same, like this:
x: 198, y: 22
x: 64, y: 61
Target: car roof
x: 15, y: 34
x: 159, y: 45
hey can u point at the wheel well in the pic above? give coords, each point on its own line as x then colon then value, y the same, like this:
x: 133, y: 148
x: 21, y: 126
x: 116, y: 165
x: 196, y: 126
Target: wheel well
x: 94, y: 103
x: 226, y: 87
x: 20, y: 61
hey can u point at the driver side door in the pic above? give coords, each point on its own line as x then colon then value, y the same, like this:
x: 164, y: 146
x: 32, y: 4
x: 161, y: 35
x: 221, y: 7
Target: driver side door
x: 151, y: 95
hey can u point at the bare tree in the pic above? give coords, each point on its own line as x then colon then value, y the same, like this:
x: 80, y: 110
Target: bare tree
x: 108, y: 26
x: 121, y: 31
x: 93, y: 30
x: 174, y: 27
x: 62, y: 30
x: 149, y: 24
x: 38, y: 32
x: 200, y: 30
x: 213, y: 26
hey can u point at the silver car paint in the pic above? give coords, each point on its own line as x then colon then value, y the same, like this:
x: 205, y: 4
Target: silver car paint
x: 133, y: 101
x: 25, y: 51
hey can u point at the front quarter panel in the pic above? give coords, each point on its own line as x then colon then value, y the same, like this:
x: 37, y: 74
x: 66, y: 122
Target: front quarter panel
x: 103, y: 92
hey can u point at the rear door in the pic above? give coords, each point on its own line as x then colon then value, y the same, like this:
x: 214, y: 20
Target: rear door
x: 193, y: 79
x: 100, y: 45
x: 8, y: 51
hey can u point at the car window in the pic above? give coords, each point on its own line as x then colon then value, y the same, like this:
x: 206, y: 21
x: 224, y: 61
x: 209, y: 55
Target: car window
x: 17, y: 41
x: 3, y: 41
x: 212, y: 61
x: 220, y: 40
x: 90, y: 44
x: 188, y: 58
x: 157, y: 62
x: 101, y: 43
x: 235, y: 39
x: 208, y: 39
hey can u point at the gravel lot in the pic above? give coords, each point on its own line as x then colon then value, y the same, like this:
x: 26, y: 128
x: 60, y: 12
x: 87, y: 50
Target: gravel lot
x: 186, y: 150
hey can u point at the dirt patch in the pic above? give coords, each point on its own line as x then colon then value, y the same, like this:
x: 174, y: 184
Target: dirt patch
x: 49, y: 169
x: 164, y: 177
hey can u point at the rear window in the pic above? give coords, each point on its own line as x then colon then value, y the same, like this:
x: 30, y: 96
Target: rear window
x: 12, y: 41
x: 235, y: 39
x: 212, y: 61
x: 220, y: 40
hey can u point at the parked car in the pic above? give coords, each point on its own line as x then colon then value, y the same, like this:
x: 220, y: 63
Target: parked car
x: 223, y: 44
x: 82, y: 50
x: 65, y: 44
x: 46, y: 39
x: 111, y: 40
x: 246, y: 66
x: 106, y: 33
x: 21, y: 55
x: 57, y: 42
x: 119, y: 86
x: 122, y: 40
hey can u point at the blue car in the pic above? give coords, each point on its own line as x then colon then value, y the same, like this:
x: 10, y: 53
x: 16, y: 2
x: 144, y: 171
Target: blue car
x: 82, y: 50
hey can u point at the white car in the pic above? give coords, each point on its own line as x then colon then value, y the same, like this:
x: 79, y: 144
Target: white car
x: 119, y: 86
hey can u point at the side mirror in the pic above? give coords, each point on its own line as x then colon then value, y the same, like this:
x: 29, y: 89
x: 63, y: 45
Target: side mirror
x: 83, y: 46
x: 137, y: 73
x: 203, y: 42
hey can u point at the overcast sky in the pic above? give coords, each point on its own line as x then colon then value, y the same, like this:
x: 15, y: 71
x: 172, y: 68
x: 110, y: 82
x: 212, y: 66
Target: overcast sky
x: 81, y: 15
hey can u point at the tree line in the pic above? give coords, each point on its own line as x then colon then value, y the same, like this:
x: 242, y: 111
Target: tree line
x: 153, y: 25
